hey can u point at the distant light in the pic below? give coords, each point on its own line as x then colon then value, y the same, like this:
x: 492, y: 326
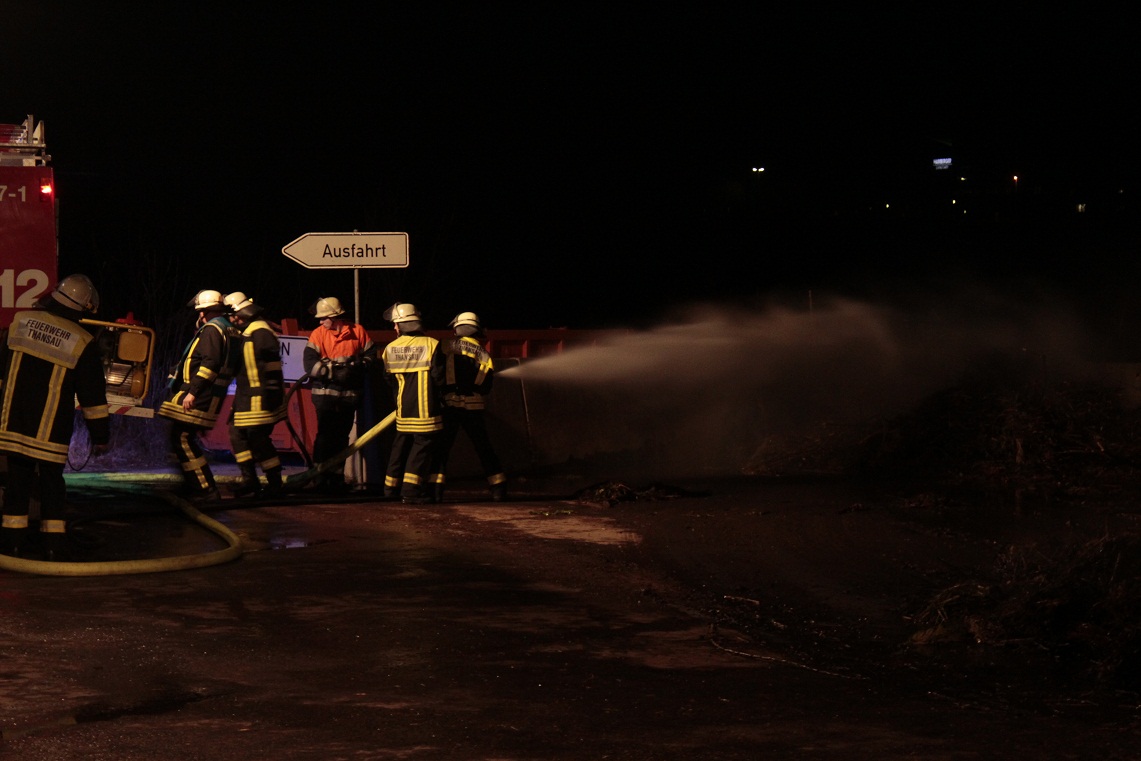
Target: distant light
x: 962, y: 179
x: 887, y: 205
x: 953, y: 202
x: 1081, y: 208
x: 758, y: 169
x: 45, y: 189
x: 942, y: 163
x: 1016, y: 178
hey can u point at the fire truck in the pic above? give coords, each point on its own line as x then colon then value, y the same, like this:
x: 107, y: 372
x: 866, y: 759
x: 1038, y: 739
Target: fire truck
x: 29, y: 263
x: 28, y: 245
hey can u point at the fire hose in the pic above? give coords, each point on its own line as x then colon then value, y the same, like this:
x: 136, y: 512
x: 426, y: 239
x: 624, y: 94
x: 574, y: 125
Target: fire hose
x: 148, y: 565
x: 300, y: 479
x: 184, y: 562
x: 289, y: 423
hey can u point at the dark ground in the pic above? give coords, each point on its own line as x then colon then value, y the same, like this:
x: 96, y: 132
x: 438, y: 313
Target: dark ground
x: 743, y: 618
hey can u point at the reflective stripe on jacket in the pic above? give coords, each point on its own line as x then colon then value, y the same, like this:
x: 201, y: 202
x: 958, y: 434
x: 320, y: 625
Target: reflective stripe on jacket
x: 414, y: 366
x: 469, y: 373
x: 351, y: 342
x: 260, y: 394
x: 205, y: 371
x: 48, y: 362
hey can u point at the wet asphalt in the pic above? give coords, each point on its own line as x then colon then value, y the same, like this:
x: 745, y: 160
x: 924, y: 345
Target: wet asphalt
x: 361, y: 629
x: 350, y: 629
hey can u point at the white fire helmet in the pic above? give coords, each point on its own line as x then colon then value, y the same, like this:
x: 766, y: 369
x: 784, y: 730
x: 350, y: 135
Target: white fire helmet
x: 466, y: 324
x: 242, y: 305
x: 404, y: 313
x: 77, y: 292
x: 237, y: 301
x: 205, y: 301
x: 328, y: 306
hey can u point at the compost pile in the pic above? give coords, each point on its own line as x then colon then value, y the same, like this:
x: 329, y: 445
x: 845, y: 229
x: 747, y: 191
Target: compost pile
x: 1005, y: 436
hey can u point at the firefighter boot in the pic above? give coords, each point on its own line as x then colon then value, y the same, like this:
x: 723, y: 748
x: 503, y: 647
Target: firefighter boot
x: 273, y: 482
x: 333, y: 483
x: 248, y: 485
x: 498, y: 492
x: 437, y: 492
x: 13, y: 541
x: 205, y: 496
x: 57, y: 548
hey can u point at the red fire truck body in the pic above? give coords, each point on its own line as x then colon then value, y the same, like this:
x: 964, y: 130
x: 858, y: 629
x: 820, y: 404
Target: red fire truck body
x: 29, y: 251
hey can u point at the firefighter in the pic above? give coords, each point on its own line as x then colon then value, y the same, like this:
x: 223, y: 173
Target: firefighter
x: 259, y: 401
x: 414, y: 368
x: 197, y: 387
x: 48, y: 360
x: 469, y: 379
x: 337, y: 358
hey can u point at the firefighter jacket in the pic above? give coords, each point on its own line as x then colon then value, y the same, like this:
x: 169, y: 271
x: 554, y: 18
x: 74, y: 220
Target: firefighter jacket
x: 415, y: 369
x: 469, y: 373
x: 260, y: 395
x: 47, y: 362
x: 337, y: 361
x: 207, y: 366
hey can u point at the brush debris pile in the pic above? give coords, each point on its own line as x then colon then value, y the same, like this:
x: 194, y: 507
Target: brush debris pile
x: 1071, y: 444
x: 1009, y: 433
x: 1000, y: 430
x: 1070, y: 441
x: 610, y: 493
x: 1079, y: 606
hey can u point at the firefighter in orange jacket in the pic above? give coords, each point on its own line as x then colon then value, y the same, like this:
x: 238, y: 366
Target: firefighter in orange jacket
x: 197, y: 388
x: 469, y: 378
x: 259, y: 399
x: 47, y: 361
x: 337, y: 357
x: 414, y: 368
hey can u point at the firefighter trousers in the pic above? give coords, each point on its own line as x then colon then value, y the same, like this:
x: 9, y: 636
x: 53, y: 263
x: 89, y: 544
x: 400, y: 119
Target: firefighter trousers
x: 409, y: 463
x: 254, y: 444
x: 473, y: 423
x: 334, y: 424
x: 196, y: 474
x: 22, y: 472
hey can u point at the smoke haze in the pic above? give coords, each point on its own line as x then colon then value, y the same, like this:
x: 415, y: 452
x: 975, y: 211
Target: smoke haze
x: 699, y: 394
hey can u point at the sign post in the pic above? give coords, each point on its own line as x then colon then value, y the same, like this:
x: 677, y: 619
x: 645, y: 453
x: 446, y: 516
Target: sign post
x: 355, y: 251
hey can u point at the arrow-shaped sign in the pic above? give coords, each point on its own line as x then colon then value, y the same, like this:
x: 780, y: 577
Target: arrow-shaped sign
x: 349, y: 250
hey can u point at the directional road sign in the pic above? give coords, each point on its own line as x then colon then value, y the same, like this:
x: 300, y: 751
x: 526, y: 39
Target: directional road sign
x: 349, y: 250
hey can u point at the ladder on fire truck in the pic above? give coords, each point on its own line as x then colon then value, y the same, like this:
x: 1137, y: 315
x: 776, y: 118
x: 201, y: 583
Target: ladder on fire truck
x: 23, y: 144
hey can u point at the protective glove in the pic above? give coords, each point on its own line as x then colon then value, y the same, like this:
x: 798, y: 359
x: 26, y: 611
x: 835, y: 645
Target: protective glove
x: 342, y: 372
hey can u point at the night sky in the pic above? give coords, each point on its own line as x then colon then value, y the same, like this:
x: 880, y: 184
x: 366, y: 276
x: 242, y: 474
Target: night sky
x: 577, y: 165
